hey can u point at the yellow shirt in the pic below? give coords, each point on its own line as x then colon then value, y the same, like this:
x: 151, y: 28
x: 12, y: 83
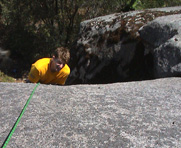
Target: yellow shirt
x: 40, y: 72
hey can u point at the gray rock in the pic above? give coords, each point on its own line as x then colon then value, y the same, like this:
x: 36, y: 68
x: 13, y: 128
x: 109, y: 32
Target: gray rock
x: 118, y: 115
x: 162, y: 38
x: 5, y: 61
x: 109, y: 48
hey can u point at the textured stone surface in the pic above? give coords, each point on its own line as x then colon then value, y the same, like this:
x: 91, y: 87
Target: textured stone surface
x: 162, y: 38
x: 109, y: 48
x: 119, y: 115
x: 5, y: 61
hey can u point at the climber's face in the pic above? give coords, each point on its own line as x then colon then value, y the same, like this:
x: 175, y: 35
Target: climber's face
x: 56, y: 64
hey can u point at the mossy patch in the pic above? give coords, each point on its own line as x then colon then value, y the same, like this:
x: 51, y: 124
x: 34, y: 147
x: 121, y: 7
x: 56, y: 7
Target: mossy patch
x: 5, y: 78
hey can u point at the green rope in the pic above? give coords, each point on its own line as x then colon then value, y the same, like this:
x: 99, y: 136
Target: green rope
x: 19, y: 118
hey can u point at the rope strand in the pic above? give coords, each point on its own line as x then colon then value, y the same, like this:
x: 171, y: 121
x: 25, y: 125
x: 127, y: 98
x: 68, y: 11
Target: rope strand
x: 18, y: 120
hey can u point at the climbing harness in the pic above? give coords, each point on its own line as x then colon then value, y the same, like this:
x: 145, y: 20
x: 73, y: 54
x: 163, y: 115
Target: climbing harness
x: 18, y: 120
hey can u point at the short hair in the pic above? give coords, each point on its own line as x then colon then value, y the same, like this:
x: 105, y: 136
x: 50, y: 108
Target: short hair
x: 62, y: 53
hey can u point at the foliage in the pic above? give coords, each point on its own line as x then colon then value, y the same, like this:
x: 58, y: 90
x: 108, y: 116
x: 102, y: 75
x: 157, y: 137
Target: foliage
x: 5, y: 78
x: 169, y: 3
x: 144, y: 4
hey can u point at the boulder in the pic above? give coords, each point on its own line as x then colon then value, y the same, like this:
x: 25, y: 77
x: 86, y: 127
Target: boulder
x: 162, y: 39
x: 5, y: 61
x: 119, y: 115
x: 110, y: 49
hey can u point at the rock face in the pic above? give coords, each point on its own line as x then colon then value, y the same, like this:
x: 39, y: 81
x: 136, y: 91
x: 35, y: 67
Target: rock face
x: 121, y: 115
x: 110, y: 48
x: 5, y: 61
x: 162, y: 39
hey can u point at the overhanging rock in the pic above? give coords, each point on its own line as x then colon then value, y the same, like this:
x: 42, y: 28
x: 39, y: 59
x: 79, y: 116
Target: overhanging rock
x: 162, y: 39
x: 120, y: 115
x: 109, y: 48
